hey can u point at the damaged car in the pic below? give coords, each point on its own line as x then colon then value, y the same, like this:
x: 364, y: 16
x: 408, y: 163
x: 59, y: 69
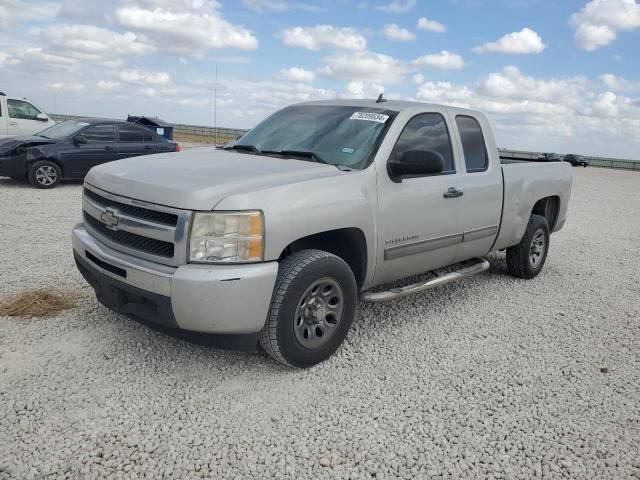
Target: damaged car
x: 70, y: 149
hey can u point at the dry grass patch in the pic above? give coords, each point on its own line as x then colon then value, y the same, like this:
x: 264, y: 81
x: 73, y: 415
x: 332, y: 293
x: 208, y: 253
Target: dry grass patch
x: 45, y: 302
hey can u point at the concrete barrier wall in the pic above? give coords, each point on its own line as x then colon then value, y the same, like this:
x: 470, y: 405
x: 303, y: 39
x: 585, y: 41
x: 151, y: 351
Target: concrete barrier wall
x: 234, y: 132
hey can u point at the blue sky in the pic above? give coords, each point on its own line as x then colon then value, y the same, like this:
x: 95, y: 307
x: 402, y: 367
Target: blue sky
x: 557, y: 75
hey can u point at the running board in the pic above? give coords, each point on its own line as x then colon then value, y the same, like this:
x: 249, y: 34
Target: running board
x: 479, y: 266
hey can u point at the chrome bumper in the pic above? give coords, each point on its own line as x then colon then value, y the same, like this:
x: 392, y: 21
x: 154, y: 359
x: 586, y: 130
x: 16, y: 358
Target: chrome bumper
x: 227, y: 299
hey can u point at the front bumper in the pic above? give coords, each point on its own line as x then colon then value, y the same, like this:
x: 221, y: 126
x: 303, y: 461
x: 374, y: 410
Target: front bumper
x: 220, y: 299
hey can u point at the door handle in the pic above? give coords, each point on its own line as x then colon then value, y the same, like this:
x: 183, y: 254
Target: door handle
x: 13, y: 124
x: 108, y: 148
x: 453, y: 193
x: 147, y: 147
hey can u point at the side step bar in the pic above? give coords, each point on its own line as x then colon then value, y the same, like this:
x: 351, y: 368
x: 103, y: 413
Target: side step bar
x: 479, y: 266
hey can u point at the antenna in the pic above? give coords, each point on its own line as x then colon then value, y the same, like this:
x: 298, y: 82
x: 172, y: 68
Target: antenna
x: 215, y: 107
x: 380, y: 99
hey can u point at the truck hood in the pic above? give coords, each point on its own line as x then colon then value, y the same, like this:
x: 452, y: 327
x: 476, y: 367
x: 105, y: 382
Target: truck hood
x: 8, y: 144
x: 199, y: 179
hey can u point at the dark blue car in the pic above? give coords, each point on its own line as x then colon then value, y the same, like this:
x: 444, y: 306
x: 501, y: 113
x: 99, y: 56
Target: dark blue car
x: 69, y: 149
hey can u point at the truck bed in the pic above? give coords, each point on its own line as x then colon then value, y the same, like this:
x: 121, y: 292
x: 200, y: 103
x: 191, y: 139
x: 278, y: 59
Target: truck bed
x: 526, y: 182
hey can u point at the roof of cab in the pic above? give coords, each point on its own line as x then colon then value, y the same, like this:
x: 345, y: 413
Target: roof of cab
x: 387, y: 104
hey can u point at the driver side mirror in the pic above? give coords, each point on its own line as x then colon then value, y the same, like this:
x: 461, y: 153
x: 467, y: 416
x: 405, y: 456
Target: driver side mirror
x: 42, y: 117
x: 79, y: 139
x: 415, y: 163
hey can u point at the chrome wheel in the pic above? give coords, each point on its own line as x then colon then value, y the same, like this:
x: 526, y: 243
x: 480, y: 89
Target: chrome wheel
x: 319, y: 312
x: 536, y: 251
x: 46, y: 175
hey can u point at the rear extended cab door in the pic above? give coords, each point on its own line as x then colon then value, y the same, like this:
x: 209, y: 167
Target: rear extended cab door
x: 480, y: 181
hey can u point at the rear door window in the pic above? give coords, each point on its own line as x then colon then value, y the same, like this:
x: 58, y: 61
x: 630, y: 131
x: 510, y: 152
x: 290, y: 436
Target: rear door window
x: 476, y: 158
x: 129, y: 133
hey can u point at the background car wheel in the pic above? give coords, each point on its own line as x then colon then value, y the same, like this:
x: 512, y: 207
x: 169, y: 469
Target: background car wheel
x: 526, y: 259
x: 44, y: 174
x: 312, y: 308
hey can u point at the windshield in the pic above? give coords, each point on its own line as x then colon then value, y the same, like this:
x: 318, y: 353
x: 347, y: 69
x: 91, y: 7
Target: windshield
x: 62, y: 130
x: 337, y: 135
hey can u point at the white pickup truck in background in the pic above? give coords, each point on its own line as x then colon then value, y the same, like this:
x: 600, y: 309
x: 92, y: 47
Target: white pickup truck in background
x: 275, y: 238
x: 21, y: 117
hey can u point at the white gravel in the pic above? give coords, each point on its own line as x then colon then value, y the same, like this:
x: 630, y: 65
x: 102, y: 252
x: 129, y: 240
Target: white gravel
x: 490, y: 378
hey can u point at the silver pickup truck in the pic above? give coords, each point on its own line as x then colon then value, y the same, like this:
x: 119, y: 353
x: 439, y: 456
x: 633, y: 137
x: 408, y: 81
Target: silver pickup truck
x: 275, y: 238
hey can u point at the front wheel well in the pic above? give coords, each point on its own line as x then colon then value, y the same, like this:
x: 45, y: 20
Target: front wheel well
x: 31, y: 161
x: 548, y: 207
x: 349, y: 244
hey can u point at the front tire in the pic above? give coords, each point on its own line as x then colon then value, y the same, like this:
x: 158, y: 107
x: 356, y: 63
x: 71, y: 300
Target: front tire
x: 312, y: 308
x: 526, y: 259
x: 44, y: 174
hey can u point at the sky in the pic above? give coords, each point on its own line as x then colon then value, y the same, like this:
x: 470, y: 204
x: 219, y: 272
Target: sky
x: 552, y: 75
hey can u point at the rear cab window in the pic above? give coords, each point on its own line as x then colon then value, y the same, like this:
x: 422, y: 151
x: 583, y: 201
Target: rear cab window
x: 476, y: 157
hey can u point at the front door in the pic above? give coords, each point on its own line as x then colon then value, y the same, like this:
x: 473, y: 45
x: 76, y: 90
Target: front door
x: 419, y: 227
x: 100, y: 148
x: 23, y: 118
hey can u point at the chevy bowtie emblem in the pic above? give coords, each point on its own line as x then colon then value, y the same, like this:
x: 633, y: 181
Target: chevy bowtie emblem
x: 110, y: 218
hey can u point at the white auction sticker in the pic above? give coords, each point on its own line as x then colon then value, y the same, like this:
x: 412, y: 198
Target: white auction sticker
x: 370, y: 116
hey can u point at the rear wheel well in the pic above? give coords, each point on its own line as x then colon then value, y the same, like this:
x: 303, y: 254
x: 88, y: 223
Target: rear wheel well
x: 347, y: 243
x: 548, y: 207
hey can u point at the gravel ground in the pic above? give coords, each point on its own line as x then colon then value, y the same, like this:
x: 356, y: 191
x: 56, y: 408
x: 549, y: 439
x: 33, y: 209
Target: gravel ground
x: 493, y: 377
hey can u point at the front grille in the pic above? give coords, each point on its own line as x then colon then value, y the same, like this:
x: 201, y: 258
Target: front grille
x: 133, y: 211
x: 131, y: 240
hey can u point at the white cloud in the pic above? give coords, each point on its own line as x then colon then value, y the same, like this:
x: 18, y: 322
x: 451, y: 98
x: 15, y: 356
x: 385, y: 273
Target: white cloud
x: 93, y: 40
x: 364, y: 66
x: 320, y: 36
x: 599, y: 22
x: 512, y: 84
x: 66, y: 87
x: 543, y: 114
x: 518, y: 43
x: 297, y: 74
x: 398, y: 6
x: 141, y: 77
x: 266, y: 5
x: 4, y: 16
x: 358, y: 89
x: 108, y: 85
x: 618, y: 84
x: 398, y: 34
x: 444, y: 60
x: 431, y: 25
x: 186, y: 29
x: 418, y: 78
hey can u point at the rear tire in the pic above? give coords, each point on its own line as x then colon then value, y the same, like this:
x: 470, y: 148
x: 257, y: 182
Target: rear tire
x: 44, y: 174
x: 526, y: 259
x: 312, y: 308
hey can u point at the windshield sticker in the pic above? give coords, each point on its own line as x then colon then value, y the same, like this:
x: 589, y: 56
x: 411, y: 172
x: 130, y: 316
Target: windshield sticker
x: 348, y: 150
x: 370, y: 116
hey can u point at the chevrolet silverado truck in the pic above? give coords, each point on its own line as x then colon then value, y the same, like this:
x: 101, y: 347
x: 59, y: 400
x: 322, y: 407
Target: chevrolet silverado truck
x: 275, y: 239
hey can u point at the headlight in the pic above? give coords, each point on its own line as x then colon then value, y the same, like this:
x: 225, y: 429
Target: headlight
x: 229, y: 237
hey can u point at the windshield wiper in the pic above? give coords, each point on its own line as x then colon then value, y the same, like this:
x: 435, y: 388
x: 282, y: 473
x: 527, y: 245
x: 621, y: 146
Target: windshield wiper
x: 299, y: 153
x: 245, y: 148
